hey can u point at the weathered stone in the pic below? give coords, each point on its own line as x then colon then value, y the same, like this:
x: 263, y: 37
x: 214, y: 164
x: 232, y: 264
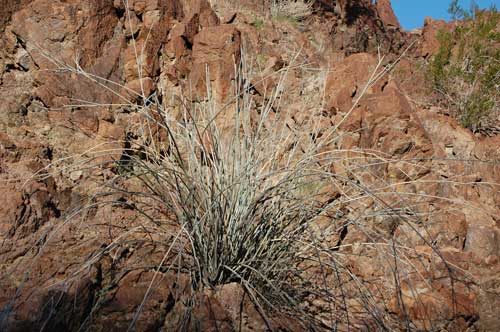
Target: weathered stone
x: 414, y: 199
x: 216, y: 53
x: 386, y: 13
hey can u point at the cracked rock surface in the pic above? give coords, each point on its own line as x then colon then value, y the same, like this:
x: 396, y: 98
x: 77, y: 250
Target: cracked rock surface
x: 55, y: 281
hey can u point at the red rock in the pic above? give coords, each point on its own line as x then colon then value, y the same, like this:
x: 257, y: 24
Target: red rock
x: 8, y: 8
x: 417, y: 159
x: 11, y: 210
x: 482, y: 241
x: 491, y: 260
x: 430, y: 44
x: 216, y: 51
x: 386, y: 13
x: 348, y: 79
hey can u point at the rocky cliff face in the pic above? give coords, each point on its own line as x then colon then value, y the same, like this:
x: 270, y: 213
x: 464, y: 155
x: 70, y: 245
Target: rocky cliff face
x: 70, y: 73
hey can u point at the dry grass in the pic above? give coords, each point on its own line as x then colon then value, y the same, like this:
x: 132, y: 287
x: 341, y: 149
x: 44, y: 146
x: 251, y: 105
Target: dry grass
x: 293, y: 9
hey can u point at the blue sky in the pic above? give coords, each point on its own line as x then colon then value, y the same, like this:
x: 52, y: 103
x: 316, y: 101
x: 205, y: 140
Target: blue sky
x: 411, y: 13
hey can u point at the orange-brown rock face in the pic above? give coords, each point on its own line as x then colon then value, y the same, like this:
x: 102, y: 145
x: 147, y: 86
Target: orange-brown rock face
x: 384, y: 121
x: 8, y: 8
x: 216, y: 52
x: 415, y: 239
x: 430, y: 43
x: 386, y: 13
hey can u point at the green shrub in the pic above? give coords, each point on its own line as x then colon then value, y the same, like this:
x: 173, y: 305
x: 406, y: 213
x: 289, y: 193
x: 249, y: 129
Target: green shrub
x: 466, y: 69
x: 258, y: 23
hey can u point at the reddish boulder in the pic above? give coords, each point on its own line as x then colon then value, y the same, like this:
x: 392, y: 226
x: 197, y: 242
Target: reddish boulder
x: 384, y: 9
x: 8, y: 8
x: 216, y: 54
x: 430, y: 43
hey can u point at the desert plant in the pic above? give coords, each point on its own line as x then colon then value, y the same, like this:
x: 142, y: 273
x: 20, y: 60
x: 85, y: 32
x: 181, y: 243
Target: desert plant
x: 234, y: 192
x: 457, y: 12
x: 258, y: 23
x: 240, y: 192
x: 295, y: 10
x: 245, y: 192
x: 466, y: 69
